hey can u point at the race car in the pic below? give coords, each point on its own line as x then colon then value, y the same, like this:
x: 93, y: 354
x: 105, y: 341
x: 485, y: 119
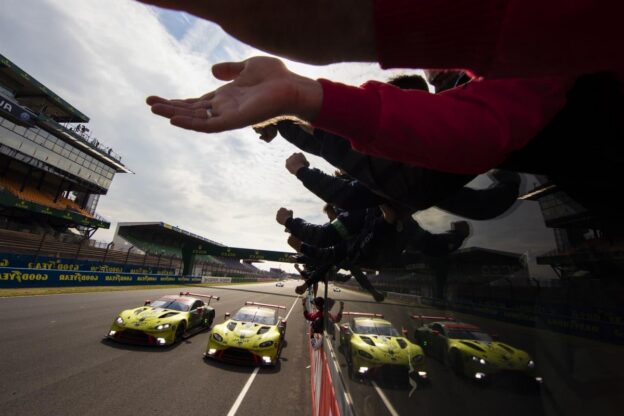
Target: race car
x: 337, y: 289
x: 165, y: 320
x: 253, y: 335
x: 279, y: 284
x: 470, y: 351
x: 372, y: 345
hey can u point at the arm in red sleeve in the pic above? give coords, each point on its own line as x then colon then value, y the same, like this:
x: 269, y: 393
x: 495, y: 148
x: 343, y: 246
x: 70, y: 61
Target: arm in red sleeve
x: 466, y: 130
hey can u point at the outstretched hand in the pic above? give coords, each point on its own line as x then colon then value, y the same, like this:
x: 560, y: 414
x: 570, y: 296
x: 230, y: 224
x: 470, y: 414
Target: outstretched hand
x: 261, y: 88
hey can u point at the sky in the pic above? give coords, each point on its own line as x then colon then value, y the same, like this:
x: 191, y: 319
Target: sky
x: 106, y: 57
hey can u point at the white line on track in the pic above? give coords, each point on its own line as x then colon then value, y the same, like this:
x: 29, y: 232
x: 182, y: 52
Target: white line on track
x: 381, y: 394
x: 247, y: 385
x: 243, y: 392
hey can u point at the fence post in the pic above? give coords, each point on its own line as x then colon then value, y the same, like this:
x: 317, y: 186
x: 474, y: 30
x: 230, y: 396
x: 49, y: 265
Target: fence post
x: 128, y: 255
x: 40, y: 246
x: 79, y: 248
x: 108, y: 246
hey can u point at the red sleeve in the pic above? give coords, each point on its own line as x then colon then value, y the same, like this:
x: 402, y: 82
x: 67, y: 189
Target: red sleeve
x: 466, y: 130
x: 500, y: 38
x: 311, y: 316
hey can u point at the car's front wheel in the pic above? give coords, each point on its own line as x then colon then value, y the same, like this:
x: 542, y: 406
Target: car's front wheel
x: 455, y: 362
x: 208, y: 320
x: 180, y: 330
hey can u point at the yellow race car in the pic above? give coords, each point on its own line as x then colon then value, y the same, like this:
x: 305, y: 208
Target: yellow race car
x: 470, y: 351
x: 372, y: 345
x: 165, y: 320
x: 253, y: 335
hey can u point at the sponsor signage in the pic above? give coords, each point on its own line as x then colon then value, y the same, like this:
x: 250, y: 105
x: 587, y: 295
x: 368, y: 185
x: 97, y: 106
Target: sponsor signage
x: 15, y: 112
x: 13, y: 277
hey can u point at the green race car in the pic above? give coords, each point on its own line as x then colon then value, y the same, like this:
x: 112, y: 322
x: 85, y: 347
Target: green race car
x: 164, y: 321
x: 470, y: 351
x: 372, y: 345
x: 253, y: 335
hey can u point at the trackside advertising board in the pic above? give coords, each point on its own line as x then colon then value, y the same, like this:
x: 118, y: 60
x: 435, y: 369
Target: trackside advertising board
x: 19, y: 277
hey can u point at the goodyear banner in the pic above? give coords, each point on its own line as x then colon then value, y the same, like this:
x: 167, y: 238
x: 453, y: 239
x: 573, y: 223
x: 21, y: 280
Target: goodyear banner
x: 12, y: 277
x: 27, y: 261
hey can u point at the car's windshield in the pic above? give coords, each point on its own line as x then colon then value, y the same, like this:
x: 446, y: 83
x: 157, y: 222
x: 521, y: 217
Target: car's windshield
x: 255, y: 315
x: 174, y: 304
x: 376, y: 328
x: 463, y: 333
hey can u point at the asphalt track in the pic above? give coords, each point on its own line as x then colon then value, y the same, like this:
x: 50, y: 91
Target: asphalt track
x: 53, y: 361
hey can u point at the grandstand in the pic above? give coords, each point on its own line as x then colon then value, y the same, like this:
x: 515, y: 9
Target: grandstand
x: 588, y: 246
x: 196, y: 255
x: 52, y: 169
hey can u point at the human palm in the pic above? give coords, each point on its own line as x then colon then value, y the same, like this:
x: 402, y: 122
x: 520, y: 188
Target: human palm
x: 261, y: 88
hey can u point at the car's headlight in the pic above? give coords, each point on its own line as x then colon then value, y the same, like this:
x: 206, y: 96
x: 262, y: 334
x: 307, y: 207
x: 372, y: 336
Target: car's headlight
x: 531, y: 364
x: 119, y: 320
x: 479, y: 360
x: 365, y: 354
x: 265, y: 344
x: 162, y: 327
x: 217, y: 337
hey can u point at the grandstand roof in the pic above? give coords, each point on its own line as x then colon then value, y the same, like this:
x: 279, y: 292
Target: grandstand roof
x: 159, y: 234
x: 36, y: 96
x: 163, y: 232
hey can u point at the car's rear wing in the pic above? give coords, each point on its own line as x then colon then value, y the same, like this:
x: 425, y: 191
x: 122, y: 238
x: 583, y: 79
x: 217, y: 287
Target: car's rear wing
x: 209, y: 297
x: 268, y: 305
x: 372, y: 315
x: 424, y: 318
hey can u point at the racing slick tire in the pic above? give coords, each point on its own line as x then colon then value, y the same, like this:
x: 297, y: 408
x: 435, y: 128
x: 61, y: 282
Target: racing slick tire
x: 207, y: 321
x: 180, y: 330
x: 455, y: 362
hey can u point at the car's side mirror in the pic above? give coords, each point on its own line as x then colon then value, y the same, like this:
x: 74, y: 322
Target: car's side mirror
x: 227, y: 315
x: 147, y: 302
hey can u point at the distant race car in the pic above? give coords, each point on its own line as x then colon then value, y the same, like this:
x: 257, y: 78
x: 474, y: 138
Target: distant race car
x: 165, y: 320
x: 337, y: 289
x: 470, y: 351
x: 253, y: 335
x: 371, y: 344
x: 279, y: 284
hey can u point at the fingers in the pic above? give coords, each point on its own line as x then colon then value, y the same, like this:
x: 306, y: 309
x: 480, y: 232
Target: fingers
x: 227, y: 71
